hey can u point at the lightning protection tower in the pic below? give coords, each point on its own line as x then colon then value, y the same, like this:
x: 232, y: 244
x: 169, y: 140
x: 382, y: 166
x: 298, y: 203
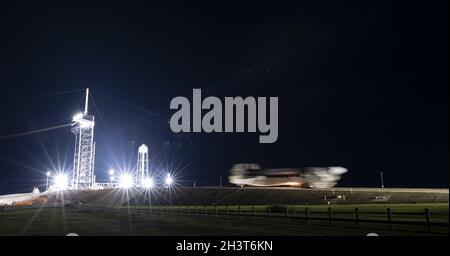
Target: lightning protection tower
x: 84, y: 153
x: 142, y: 164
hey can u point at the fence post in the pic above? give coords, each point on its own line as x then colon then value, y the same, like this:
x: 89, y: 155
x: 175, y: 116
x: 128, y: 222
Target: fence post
x: 329, y: 216
x: 389, y: 215
x: 268, y: 214
x: 215, y: 210
x: 357, y: 217
x: 427, y: 216
x: 307, y: 215
x: 226, y: 209
x: 239, y: 210
x: 287, y: 214
x: 196, y: 210
x: 187, y: 209
x: 253, y: 212
x: 206, y: 210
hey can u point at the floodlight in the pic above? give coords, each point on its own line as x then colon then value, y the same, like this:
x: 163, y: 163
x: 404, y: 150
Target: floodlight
x: 77, y: 116
x: 61, y: 181
x: 126, y: 181
x: 111, y: 172
x: 148, y: 183
x: 168, y: 180
x: 48, y: 174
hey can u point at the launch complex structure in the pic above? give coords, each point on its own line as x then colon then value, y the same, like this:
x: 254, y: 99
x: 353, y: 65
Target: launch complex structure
x: 83, y: 174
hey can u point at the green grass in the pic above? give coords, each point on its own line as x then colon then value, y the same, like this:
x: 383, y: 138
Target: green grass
x: 60, y: 221
x: 401, y: 212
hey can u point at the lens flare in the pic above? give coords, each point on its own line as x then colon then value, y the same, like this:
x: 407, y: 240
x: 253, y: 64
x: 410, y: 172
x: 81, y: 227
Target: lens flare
x: 168, y: 180
x: 126, y: 181
x: 61, y: 181
x: 148, y: 183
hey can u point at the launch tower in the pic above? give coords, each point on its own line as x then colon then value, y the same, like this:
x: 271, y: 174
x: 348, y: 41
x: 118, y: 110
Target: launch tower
x: 84, y: 153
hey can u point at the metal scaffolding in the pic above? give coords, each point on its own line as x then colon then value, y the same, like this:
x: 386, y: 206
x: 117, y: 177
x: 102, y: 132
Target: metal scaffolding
x: 84, y: 153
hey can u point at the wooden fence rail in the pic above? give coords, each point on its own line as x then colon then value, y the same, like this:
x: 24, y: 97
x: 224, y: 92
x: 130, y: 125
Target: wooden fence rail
x: 269, y: 216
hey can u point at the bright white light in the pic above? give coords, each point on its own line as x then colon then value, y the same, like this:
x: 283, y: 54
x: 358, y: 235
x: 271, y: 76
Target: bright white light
x: 112, y: 178
x: 168, y: 180
x: 126, y: 181
x: 48, y: 174
x: 77, y: 116
x: 143, y: 149
x: 61, y: 181
x: 148, y: 182
x: 111, y: 172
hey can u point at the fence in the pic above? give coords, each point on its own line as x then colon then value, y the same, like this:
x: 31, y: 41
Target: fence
x: 330, y: 217
x: 306, y: 215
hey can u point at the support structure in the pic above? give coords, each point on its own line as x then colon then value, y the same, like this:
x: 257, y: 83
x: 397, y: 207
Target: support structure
x: 83, y: 165
x: 142, y: 165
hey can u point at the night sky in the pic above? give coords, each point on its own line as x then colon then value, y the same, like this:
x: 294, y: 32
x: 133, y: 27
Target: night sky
x: 363, y: 85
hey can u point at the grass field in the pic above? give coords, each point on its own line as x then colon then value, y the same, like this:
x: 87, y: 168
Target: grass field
x: 402, y: 212
x: 60, y: 221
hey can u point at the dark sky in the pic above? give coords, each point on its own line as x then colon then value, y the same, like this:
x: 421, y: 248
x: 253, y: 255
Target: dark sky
x: 361, y: 84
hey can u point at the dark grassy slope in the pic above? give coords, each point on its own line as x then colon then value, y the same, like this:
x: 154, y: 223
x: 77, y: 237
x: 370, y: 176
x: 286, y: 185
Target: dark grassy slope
x: 252, y: 196
x: 61, y: 221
